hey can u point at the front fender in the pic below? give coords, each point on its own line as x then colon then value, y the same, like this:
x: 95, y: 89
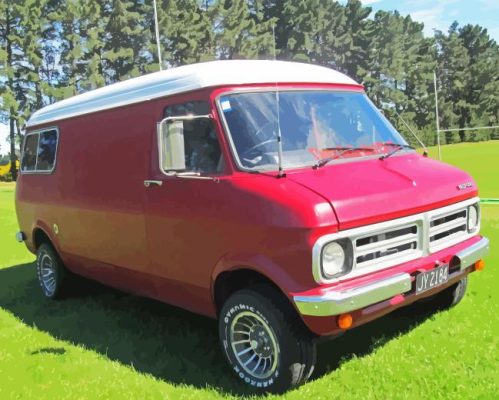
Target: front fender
x: 259, y: 263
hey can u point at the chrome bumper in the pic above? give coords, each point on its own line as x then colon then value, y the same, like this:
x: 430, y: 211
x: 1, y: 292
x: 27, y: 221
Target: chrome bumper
x: 333, y: 302
x: 475, y: 252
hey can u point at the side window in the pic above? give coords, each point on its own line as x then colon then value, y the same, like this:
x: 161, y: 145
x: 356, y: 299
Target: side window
x: 190, y: 145
x: 29, y: 154
x: 201, y: 150
x: 189, y: 142
x: 46, y: 150
x: 39, y: 151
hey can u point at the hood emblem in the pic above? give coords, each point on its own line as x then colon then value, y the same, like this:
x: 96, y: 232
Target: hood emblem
x: 465, y: 185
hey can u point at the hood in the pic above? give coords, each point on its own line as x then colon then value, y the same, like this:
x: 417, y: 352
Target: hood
x: 367, y: 191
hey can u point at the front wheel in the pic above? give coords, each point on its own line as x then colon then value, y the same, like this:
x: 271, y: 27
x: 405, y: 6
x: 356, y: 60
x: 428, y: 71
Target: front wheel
x: 264, y: 341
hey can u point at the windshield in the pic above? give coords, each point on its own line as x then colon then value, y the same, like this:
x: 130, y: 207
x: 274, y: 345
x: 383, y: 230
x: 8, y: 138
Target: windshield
x: 315, y: 125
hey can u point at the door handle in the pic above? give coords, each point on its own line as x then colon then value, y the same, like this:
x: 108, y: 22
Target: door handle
x: 151, y: 182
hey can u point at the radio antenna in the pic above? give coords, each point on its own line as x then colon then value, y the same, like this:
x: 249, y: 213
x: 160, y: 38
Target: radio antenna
x: 156, y: 31
x: 281, y: 173
x: 425, y: 149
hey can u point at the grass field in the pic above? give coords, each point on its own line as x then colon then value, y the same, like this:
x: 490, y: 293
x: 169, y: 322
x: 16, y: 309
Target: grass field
x: 480, y: 159
x: 102, y: 344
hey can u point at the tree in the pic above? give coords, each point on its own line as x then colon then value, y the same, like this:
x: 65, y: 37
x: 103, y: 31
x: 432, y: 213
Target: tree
x: 356, y: 48
x: 53, y: 49
x: 93, y: 29
x: 11, y: 56
x: 186, y: 32
x: 483, y: 82
x: 399, y: 69
x: 71, y: 42
x: 241, y: 31
x: 452, y: 72
x: 123, y: 39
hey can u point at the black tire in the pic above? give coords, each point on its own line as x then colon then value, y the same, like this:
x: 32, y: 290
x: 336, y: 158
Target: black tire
x: 453, y: 295
x: 53, y: 277
x: 441, y: 301
x: 289, y: 346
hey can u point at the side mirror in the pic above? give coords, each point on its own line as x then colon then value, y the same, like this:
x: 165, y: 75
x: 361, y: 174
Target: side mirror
x: 172, y: 139
x: 172, y: 144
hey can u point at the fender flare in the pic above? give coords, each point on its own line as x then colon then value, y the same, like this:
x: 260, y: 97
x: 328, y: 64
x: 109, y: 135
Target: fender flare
x: 258, y: 263
x: 40, y: 225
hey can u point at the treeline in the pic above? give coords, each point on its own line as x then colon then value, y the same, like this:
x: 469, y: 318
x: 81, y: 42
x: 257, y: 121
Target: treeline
x: 53, y: 49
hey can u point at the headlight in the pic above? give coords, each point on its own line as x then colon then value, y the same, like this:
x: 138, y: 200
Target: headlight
x: 336, y: 258
x: 473, y: 217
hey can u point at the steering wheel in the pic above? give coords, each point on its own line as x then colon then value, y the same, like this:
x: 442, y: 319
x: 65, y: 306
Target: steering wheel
x: 257, y: 146
x: 266, y: 125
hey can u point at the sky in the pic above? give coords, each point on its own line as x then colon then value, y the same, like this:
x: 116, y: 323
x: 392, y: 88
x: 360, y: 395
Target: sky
x: 440, y: 14
x: 435, y: 14
x: 4, y: 145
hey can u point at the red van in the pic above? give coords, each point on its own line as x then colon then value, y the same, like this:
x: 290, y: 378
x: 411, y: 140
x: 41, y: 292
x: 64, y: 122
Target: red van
x: 271, y: 195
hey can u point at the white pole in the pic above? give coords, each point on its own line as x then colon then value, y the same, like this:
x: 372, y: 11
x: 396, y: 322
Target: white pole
x: 478, y: 128
x: 279, y: 133
x: 156, y: 28
x: 436, y: 115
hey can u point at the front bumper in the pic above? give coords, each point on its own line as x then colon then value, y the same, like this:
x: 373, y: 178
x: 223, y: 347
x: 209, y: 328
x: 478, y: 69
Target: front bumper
x: 331, y: 301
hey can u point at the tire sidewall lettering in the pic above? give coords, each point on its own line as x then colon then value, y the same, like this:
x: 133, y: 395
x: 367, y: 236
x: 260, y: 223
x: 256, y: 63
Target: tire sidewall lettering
x: 247, y: 379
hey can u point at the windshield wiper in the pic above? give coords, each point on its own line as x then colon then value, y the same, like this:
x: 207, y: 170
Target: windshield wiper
x: 324, y: 161
x: 398, y: 147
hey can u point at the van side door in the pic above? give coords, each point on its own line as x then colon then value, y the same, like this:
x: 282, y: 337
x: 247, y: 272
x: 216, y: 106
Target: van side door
x: 184, y: 201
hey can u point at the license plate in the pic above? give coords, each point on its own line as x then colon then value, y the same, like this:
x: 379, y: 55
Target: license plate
x: 430, y: 279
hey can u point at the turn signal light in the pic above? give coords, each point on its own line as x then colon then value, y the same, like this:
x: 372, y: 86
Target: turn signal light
x: 479, y: 265
x: 345, y: 321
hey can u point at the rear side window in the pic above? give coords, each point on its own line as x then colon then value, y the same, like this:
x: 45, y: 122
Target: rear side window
x: 39, y: 151
x: 29, y: 154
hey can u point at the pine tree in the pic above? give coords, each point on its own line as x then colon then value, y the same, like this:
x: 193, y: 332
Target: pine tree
x: 124, y: 39
x: 452, y: 72
x: 72, y: 53
x: 30, y: 83
x: 11, y: 57
x: 241, y: 30
x: 93, y: 30
x: 483, y: 82
x: 186, y: 32
x: 53, y: 49
x: 355, y: 49
x: 48, y: 49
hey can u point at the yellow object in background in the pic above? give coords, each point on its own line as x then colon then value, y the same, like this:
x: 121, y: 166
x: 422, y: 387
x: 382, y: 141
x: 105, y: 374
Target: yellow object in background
x: 5, y: 169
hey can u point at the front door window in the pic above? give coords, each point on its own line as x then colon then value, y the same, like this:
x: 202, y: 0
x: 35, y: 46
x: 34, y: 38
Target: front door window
x: 189, y: 143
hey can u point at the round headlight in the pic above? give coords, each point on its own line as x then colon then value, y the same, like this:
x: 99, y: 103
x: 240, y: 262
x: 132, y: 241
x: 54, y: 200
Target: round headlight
x: 472, y: 217
x: 333, y: 259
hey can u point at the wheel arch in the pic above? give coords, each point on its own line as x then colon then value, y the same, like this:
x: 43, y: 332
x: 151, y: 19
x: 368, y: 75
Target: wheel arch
x: 40, y: 236
x: 242, y: 277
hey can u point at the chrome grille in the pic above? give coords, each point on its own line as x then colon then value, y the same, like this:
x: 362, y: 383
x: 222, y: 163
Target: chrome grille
x: 385, y: 244
x: 448, y: 228
x: 381, y: 247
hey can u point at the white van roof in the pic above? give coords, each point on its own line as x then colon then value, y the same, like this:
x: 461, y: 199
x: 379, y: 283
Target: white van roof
x: 184, y: 79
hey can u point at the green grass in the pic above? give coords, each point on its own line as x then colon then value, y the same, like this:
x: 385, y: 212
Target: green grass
x: 102, y: 343
x: 480, y: 159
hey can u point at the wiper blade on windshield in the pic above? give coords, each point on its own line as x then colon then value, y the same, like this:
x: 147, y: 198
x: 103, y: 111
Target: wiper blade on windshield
x: 324, y: 161
x: 398, y: 147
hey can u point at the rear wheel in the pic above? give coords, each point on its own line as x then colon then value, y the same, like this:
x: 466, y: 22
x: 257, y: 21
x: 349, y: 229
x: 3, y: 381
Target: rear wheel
x: 441, y: 301
x: 264, y: 341
x: 52, y: 275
